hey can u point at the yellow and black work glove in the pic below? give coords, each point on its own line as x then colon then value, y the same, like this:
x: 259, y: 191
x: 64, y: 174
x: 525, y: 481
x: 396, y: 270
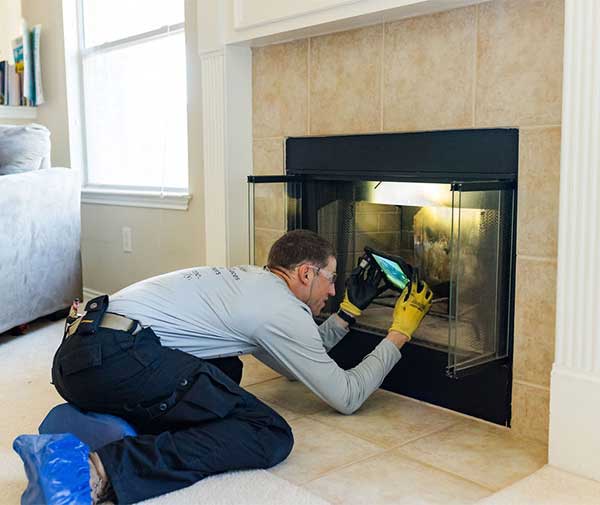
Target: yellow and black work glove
x: 362, y: 287
x: 411, y: 307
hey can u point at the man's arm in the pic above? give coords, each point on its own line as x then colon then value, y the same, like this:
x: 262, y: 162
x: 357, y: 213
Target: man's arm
x: 362, y: 287
x: 332, y: 330
x: 294, y: 341
x: 397, y: 338
x: 266, y: 359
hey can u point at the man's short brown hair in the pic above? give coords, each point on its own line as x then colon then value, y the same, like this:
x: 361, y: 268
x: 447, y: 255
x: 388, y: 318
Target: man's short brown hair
x: 300, y: 246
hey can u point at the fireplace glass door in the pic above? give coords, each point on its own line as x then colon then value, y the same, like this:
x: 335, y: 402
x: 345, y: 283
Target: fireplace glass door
x: 457, y: 235
x: 275, y: 206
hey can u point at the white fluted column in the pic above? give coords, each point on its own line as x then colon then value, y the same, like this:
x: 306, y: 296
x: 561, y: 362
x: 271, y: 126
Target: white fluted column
x: 575, y: 387
x: 213, y: 143
x: 226, y: 138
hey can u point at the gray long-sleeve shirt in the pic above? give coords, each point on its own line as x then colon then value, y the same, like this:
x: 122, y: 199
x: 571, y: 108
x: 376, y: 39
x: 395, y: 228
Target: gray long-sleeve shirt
x: 215, y: 312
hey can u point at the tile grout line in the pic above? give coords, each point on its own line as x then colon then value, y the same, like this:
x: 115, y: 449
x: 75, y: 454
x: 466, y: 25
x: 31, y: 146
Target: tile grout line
x: 420, y: 437
x: 489, y: 125
x: 268, y: 380
x: 539, y: 127
x: 332, y: 501
x: 276, y: 137
x: 540, y: 259
x: 395, y: 446
x: 308, y: 77
x: 279, y: 230
x: 532, y: 385
x: 247, y: 385
x: 276, y: 404
x: 381, y: 77
x: 346, y: 465
x: 475, y: 68
x: 456, y: 475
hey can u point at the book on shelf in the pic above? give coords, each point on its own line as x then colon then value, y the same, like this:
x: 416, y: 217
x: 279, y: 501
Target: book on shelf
x: 13, y: 87
x: 3, y: 70
x: 38, y: 92
x: 21, y: 83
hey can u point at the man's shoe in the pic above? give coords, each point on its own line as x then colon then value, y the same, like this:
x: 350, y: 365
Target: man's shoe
x: 58, y: 469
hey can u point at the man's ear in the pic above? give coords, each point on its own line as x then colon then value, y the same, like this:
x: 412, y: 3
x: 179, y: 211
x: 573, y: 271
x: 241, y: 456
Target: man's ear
x: 304, y: 273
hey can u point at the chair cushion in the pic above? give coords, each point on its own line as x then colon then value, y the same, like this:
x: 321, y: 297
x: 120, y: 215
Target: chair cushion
x: 24, y: 148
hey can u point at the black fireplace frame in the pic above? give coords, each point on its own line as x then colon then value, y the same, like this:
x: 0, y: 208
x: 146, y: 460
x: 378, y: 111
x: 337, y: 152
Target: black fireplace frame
x: 437, y: 156
x: 479, y: 157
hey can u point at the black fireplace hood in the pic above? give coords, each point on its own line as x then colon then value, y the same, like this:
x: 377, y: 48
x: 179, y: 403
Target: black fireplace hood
x: 443, y: 156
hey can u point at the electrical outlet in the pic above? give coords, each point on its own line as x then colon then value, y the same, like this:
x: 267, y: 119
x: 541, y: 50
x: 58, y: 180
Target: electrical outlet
x: 127, y: 243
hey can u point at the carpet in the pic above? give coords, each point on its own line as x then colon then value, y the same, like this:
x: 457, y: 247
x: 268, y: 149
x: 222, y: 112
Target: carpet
x: 27, y: 396
x: 256, y: 487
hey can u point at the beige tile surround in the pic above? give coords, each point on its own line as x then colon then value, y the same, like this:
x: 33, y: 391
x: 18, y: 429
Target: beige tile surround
x: 279, y: 84
x: 393, y: 450
x: 496, y: 64
x: 534, y: 322
x: 345, y: 75
x: 424, y: 55
x: 519, y: 63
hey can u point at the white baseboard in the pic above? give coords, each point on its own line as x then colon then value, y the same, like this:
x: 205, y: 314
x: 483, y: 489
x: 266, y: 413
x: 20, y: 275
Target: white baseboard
x: 88, y: 293
x: 575, y: 422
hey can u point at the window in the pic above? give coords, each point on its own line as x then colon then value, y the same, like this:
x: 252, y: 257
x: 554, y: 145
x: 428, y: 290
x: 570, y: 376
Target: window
x: 133, y: 67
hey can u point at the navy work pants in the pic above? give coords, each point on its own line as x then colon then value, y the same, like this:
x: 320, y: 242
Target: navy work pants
x: 193, y: 420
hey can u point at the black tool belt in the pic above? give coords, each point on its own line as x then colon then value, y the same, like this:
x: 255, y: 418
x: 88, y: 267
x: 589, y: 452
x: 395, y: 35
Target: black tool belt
x: 94, y: 310
x: 96, y: 316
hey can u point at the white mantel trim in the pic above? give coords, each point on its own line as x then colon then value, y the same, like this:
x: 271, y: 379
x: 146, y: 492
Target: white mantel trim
x: 289, y: 21
x: 246, y: 16
x: 575, y: 383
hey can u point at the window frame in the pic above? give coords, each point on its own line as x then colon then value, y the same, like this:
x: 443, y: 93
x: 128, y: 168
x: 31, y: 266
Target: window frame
x: 114, y: 194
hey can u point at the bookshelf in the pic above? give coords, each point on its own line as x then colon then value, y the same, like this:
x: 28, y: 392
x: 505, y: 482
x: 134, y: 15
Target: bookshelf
x: 20, y: 80
x: 20, y: 112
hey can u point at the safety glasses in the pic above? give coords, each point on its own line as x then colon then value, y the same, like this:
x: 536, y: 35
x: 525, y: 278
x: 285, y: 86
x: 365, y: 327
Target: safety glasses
x: 330, y: 276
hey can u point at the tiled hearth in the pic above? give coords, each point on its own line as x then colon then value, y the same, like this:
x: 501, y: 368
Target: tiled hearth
x: 472, y: 67
x: 392, y: 450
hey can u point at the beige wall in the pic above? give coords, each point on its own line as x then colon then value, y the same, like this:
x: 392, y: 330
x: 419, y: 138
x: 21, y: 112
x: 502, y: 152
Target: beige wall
x: 498, y: 64
x: 10, y: 18
x: 53, y: 113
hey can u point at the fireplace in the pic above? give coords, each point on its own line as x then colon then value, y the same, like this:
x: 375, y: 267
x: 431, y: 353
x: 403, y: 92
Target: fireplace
x: 444, y: 201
